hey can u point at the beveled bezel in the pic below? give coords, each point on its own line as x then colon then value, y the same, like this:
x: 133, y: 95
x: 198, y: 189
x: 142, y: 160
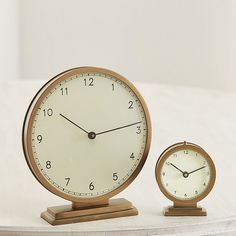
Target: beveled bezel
x: 28, y: 124
x: 173, y: 149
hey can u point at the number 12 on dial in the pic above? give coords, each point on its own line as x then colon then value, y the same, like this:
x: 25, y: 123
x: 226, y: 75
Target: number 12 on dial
x: 87, y: 134
x: 185, y: 174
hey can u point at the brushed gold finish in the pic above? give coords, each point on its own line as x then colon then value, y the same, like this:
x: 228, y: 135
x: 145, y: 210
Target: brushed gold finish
x: 32, y: 111
x: 67, y: 214
x: 78, y: 206
x: 184, y: 211
x: 80, y: 202
x: 182, y: 207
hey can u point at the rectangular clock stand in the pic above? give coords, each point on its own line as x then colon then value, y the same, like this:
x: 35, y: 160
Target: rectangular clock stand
x: 76, y: 213
x: 184, y: 211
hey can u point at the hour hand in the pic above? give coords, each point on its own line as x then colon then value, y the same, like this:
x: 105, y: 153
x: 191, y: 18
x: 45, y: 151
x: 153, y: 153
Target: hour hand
x: 176, y: 167
x: 73, y: 123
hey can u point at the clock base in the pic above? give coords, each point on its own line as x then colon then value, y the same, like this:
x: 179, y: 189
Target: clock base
x: 184, y: 211
x: 66, y: 214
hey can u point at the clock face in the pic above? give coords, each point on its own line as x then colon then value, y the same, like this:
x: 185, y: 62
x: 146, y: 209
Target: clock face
x: 186, y: 173
x: 88, y: 134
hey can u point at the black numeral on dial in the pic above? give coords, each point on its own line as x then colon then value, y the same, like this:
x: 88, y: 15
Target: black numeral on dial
x: 131, y: 103
x: 67, y: 181
x: 132, y: 156
x: 138, y: 130
x: 64, y: 91
x: 89, y: 82
x: 48, y: 112
x: 48, y: 164
x: 115, y: 176
x: 40, y: 138
x: 91, y: 186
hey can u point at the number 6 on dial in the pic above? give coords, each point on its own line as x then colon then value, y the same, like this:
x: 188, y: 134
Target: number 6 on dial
x: 185, y: 174
x: 86, y: 137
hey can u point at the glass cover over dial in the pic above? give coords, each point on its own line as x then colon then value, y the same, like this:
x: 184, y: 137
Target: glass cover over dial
x: 88, y: 134
x: 185, y: 174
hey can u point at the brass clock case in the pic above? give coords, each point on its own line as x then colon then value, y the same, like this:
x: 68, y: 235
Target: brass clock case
x: 173, y: 149
x: 28, y: 123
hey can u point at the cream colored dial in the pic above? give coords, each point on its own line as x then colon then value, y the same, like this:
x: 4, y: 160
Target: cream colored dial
x: 185, y: 174
x: 89, y: 135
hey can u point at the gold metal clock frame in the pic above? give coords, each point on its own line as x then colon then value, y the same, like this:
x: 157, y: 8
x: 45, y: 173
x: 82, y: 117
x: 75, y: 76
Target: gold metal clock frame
x: 184, y: 207
x: 81, y: 209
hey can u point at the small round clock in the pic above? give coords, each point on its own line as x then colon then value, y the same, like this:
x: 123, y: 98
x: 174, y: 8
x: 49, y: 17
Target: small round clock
x: 185, y: 174
x: 86, y: 135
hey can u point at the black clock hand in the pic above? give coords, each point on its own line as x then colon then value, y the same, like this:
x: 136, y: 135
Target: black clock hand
x: 74, y: 123
x: 125, y: 126
x: 176, y: 167
x: 196, y: 170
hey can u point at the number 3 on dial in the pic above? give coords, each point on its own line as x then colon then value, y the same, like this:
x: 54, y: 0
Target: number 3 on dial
x: 87, y: 134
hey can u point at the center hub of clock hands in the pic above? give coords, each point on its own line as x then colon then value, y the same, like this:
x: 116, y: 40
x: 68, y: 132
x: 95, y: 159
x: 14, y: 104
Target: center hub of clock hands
x: 92, y: 135
x: 185, y: 173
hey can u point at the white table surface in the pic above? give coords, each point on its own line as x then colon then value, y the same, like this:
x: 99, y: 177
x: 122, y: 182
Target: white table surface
x: 205, y: 117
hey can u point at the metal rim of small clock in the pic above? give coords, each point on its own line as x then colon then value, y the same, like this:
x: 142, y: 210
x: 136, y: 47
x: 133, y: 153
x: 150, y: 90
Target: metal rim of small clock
x: 178, y: 147
x: 28, y: 123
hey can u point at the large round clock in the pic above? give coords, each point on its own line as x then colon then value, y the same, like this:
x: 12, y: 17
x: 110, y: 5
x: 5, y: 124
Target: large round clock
x: 86, y: 134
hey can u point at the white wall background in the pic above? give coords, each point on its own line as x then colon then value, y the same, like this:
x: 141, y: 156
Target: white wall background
x: 232, y: 48
x: 9, y: 39
x: 187, y: 42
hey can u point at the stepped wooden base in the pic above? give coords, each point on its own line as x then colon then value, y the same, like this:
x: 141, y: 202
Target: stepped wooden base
x: 184, y: 211
x: 66, y: 214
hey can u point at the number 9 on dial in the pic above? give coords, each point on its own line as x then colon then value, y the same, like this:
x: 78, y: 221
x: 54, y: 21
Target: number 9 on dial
x: 86, y: 137
x: 185, y: 174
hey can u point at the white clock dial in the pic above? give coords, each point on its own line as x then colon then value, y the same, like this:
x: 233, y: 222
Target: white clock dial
x: 185, y: 174
x: 89, y: 135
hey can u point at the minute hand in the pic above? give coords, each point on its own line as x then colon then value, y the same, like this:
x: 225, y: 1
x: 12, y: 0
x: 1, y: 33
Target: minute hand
x: 122, y: 127
x: 196, y: 170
